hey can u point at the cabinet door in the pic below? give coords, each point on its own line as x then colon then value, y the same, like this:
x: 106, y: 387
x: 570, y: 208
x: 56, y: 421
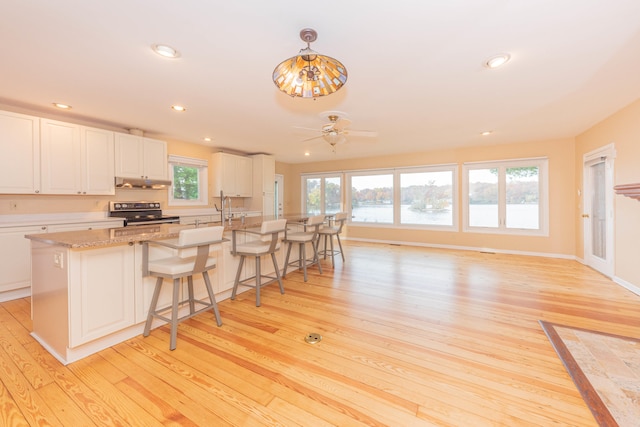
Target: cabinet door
x: 61, y: 157
x: 128, y: 153
x: 98, y: 161
x: 15, y: 252
x: 244, y: 176
x: 20, y: 136
x: 101, y: 292
x: 155, y: 162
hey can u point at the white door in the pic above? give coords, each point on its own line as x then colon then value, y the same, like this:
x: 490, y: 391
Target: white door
x: 279, y: 195
x: 598, y: 209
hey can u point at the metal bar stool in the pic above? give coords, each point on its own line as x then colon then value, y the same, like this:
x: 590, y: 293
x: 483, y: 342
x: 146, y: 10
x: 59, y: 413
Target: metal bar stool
x: 193, y: 247
x: 267, y: 244
x: 328, y: 233
x: 309, y: 235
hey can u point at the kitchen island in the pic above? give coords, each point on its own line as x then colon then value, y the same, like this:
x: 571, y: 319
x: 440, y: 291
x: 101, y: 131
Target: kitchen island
x: 90, y: 291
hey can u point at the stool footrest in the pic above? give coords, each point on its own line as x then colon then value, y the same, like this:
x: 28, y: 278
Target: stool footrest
x: 262, y: 276
x: 206, y: 306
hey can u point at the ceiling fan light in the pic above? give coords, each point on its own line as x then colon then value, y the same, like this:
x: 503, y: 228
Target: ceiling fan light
x: 309, y: 74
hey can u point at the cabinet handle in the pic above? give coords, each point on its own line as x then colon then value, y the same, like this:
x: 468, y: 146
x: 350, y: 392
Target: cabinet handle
x: 37, y: 191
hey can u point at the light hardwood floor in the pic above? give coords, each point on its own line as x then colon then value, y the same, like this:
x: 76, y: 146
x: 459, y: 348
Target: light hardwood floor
x: 411, y: 337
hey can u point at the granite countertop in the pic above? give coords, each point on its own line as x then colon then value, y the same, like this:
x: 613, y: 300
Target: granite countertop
x: 113, y: 236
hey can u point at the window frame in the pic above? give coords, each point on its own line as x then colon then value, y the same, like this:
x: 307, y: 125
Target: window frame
x: 349, y: 197
x: 203, y: 180
x: 397, y: 191
x: 502, y: 165
x: 322, y: 177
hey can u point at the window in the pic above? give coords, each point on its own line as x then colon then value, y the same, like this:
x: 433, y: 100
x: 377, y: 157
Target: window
x: 372, y: 198
x: 427, y: 197
x: 506, y: 197
x: 416, y: 197
x: 188, y: 181
x: 322, y: 194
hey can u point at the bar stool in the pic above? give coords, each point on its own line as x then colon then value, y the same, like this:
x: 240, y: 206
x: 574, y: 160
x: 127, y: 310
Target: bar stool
x: 193, y: 247
x: 328, y: 233
x: 267, y: 244
x: 301, y: 238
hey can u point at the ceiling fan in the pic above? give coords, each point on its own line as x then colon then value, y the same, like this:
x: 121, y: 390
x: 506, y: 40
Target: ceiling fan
x: 336, y: 130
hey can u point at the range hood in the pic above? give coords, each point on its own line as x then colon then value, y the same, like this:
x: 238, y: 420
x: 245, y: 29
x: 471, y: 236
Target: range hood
x: 141, y: 183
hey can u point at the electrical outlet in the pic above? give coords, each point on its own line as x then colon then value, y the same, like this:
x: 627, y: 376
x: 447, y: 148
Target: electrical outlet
x: 13, y: 205
x: 58, y: 259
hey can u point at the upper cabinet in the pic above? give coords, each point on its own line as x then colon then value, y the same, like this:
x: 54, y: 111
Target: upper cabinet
x: 20, y: 136
x: 232, y: 175
x: 76, y: 159
x: 140, y: 157
x: 264, y: 177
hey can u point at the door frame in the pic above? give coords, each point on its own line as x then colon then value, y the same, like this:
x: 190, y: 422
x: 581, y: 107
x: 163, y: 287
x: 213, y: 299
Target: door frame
x: 279, y: 195
x: 607, y: 155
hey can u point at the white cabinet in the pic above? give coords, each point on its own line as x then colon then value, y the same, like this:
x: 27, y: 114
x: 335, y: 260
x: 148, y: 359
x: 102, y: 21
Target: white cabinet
x: 97, y: 161
x: 232, y: 174
x: 15, y: 252
x: 80, y: 295
x: 76, y: 159
x: 264, y: 176
x: 61, y: 172
x: 19, y: 170
x: 140, y: 157
x: 101, y: 292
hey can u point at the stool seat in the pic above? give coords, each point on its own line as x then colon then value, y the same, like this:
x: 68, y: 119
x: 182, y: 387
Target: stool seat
x: 301, y: 238
x: 328, y: 233
x: 177, y: 266
x: 266, y: 241
x: 191, y: 257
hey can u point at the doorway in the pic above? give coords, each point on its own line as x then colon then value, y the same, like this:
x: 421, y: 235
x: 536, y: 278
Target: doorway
x: 597, y: 209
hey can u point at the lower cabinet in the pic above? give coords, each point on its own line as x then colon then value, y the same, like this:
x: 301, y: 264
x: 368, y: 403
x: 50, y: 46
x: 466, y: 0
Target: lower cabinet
x: 85, y: 300
x: 101, y: 292
x: 15, y: 251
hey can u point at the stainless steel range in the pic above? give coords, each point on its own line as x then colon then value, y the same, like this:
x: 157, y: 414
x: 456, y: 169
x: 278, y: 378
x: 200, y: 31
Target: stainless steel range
x: 140, y: 213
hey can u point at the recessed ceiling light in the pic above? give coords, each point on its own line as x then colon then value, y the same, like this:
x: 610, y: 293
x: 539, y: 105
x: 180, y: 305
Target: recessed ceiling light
x: 486, y: 133
x: 207, y: 139
x: 307, y: 153
x: 165, y: 50
x: 62, y: 106
x: 497, y: 60
x: 178, y: 108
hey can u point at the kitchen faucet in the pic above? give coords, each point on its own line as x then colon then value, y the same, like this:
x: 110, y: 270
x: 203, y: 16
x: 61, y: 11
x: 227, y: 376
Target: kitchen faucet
x: 224, y: 200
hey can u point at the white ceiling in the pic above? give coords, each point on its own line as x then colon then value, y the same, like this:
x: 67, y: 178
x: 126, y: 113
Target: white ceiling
x: 415, y: 69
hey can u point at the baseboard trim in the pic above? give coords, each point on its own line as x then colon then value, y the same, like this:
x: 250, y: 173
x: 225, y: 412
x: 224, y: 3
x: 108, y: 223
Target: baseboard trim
x: 463, y: 248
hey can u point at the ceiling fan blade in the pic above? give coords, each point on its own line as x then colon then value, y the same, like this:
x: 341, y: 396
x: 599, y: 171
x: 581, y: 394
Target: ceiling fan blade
x: 341, y: 124
x: 304, y: 128
x: 312, y: 138
x: 361, y: 133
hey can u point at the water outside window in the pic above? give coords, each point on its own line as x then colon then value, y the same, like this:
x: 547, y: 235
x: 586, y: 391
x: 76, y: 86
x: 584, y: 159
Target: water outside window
x: 313, y: 196
x: 332, y: 195
x: 520, y: 197
x: 483, y: 198
x: 372, y: 198
x: 523, y: 197
x: 426, y: 198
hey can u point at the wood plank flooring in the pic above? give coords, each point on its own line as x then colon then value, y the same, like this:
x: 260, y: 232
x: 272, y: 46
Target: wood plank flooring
x: 411, y: 337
